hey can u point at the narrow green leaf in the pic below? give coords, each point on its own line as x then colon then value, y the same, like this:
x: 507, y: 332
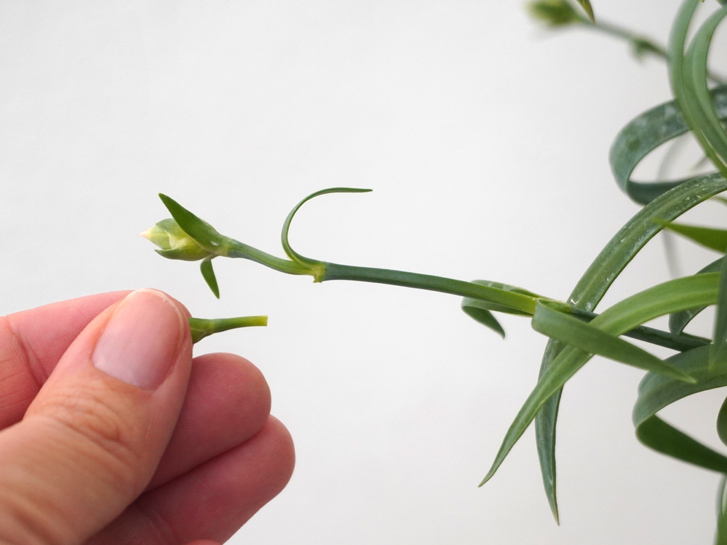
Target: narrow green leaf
x: 208, y: 273
x: 721, y: 538
x: 687, y: 72
x: 658, y: 391
x: 714, y: 239
x: 659, y: 300
x: 586, y: 5
x: 202, y: 232
x: 592, y: 340
x: 722, y: 422
x: 477, y: 310
x: 614, y: 257
x: 718, y: 351
x: 313, y: 265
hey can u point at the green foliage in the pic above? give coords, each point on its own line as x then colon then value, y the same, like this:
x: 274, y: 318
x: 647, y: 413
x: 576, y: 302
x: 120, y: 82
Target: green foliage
x: 576, y: 332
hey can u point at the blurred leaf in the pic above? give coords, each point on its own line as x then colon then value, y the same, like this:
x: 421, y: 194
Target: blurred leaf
x: 554, y: 13
x: 722, y: 513
x: 208, y: 273
x: 709, y: 237
x: 656, y: 301
x: 590, y: 339
x: 658, y: 391
x: 586, y: 4
x: 722, y: 422
x: 718, y: 351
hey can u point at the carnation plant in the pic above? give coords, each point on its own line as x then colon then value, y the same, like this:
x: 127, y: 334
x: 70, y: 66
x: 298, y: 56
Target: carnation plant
x: 576, y: 326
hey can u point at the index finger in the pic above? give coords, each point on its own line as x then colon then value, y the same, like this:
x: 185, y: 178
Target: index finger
x: 32, y: 341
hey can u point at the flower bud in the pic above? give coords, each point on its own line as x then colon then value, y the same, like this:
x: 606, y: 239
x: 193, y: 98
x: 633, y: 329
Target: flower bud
x: 173, y: 242
x: 555, y: 13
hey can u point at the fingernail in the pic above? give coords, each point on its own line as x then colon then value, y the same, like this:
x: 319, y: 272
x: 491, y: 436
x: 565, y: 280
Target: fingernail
x: 141, y: 339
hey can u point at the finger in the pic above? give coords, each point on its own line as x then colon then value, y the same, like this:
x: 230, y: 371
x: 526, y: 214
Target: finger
x: 93, y: 436
x: 32, y: 342
x: 214, y: 500
x: 227, y: 403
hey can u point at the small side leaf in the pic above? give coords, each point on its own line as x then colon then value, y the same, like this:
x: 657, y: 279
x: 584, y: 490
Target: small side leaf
x: 477, y: 310
x: 208, y: 273
x: 202, y: 232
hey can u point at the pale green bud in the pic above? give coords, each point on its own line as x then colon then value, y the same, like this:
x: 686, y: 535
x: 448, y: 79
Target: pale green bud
x: 556, y: 13
x: 174, y: 243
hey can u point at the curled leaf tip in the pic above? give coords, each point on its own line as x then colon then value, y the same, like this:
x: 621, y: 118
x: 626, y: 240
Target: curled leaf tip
x: 316, y: 268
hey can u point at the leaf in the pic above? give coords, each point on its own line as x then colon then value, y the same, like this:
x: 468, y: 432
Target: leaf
x: 593, y: 340
x: 477, y: 310
x: 595, y: 282
x: 658, y: 391
x: 718, y: 349
x: 722, y: 422
x: 202, y: 232
x: 586, y: 5
x: 687, y: 70
x: 656, y: 301
x: 722, y: 513
x: 208, y: 273
x: 679, y: 320
x: 714, y: 239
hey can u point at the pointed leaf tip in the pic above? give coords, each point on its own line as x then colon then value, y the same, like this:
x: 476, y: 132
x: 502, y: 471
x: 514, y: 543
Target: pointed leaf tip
x: 208, y: 273
x: 588, y: 8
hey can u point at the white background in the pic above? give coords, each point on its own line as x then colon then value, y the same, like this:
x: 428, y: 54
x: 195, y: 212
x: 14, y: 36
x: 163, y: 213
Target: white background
x: 485, y: 139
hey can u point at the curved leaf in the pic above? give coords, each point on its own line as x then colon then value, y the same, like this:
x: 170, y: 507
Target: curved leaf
x: 679, y: 320
x: 659, y: 300
x: 590, y: 339
x: 596, y: 281
x: 658, y: 391
x: 478, y: 311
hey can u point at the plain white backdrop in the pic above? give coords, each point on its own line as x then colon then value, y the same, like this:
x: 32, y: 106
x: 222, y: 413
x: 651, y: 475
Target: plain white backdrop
x: 485, y: 139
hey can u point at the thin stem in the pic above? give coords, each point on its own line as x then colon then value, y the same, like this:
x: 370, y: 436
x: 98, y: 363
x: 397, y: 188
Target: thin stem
x: 644, y: 43
x: 515, y: 301
x: 235, y: 248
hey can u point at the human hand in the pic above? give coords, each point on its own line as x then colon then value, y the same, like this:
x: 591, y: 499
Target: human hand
x: 109, y: 433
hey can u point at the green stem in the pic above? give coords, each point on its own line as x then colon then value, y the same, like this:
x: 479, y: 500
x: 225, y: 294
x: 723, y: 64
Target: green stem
x: 235, y: 248
x: 652, y: 47
x: 658, y: 337
x: 516, y: 301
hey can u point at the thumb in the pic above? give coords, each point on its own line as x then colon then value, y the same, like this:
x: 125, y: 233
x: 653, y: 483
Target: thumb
x: 92, y: 438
